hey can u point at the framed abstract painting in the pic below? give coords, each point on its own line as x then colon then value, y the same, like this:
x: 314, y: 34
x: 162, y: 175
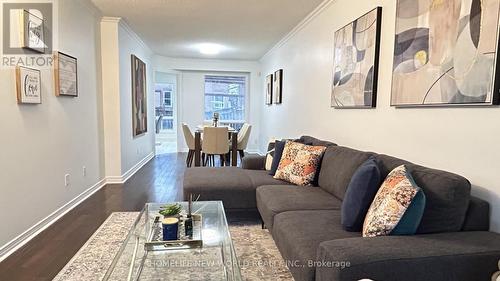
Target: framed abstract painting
x: 139, y: 97
x: 356, y: 59
x: 269, y: 89
x: 445, y: 53
x: 278, y: 86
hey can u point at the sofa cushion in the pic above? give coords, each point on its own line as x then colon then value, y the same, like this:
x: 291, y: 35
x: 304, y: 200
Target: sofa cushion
x: 261, y: 177
x: 299, y: 233
x: 457, y: 256
x: 393, y: 201
x: 360, y: 193
x: 231, y: 185
x: 337, y: 168
x: 299, y: 163
x: 275, y: 199
x: 447, y: 195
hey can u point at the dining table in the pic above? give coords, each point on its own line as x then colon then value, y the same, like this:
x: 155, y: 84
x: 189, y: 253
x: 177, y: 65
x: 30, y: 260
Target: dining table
x: 233, y: 136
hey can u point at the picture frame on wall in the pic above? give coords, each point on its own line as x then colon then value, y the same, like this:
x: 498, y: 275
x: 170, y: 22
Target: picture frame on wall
x: 278, y: 87
x: 446, y: 54
x: 65, y: 75
x: 356, y: 62
x: 28, y: 85
x: 139, y: 97
x: 33, y: 32
x: 269, y: 89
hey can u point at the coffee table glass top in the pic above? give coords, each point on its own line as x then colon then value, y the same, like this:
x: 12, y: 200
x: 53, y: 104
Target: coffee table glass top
x: 214, y: 260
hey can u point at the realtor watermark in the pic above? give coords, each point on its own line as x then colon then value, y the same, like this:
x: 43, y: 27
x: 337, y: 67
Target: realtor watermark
x: 273, y: 263
x: 27, y: 34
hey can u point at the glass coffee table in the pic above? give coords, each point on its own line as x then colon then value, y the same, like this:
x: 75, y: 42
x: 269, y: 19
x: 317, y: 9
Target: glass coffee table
x: 215, y: 259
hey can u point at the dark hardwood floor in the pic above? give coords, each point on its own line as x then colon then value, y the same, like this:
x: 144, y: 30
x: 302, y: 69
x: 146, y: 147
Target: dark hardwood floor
x: 43, y: 257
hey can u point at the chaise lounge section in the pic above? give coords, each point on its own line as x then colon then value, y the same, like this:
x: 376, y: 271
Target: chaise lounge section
x: 452, y: 242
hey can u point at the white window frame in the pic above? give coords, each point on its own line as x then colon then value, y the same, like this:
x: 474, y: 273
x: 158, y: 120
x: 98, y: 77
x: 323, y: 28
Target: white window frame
x: 247, y: 93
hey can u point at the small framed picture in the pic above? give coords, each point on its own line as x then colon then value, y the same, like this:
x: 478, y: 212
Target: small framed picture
x: 28, y: 85
x: 33, y: 32
x: 65, y: 75
x: 278, y: 86
x: 269, y: 89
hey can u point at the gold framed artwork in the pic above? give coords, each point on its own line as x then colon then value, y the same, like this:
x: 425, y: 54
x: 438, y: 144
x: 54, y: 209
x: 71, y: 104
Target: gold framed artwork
x: 269, y: 89
x: 65, y: 75
x: 28, y: 85
x: 139, y: 97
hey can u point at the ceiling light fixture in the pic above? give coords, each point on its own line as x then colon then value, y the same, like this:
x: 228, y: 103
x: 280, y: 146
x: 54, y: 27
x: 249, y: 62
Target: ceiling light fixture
x: 210, y: 48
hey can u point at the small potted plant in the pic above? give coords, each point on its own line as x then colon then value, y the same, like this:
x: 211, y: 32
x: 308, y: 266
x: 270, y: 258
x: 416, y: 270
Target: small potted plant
x: 171, y: 210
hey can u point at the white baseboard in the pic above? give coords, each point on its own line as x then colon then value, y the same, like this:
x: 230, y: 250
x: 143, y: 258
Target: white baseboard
x: 43, y: 224
x: 33, y: 231
x: 128, y: 174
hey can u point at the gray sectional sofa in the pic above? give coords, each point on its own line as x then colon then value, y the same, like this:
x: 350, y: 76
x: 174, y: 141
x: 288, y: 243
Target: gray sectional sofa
x: 453, y: 241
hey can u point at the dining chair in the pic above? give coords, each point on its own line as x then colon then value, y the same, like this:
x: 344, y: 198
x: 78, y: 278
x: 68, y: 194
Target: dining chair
x: 243, y: 137
x: 215, y: 143
x: 189, y: 137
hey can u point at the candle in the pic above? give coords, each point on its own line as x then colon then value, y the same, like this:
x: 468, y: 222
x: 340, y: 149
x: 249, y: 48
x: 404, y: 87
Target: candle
x: 170, y: 229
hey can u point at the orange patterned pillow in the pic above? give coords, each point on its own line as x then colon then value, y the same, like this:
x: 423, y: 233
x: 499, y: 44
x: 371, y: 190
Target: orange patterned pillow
x: 299, y: 163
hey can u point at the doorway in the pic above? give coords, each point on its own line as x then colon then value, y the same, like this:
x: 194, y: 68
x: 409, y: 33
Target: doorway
x: 165, y: 112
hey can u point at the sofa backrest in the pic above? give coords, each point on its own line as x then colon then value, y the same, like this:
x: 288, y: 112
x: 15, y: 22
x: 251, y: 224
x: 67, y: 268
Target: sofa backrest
x: 337, y: 167
x: 314, y: 141
x: 447, y: 195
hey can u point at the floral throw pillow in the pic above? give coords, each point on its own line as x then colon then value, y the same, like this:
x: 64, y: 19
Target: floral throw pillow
x: 393, y: 200
x: 299, y: 163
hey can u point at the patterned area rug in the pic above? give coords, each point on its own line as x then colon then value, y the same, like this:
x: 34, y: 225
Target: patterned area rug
x: 257, y: 254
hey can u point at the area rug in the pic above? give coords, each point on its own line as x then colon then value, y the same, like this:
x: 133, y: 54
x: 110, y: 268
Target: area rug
x: 258, y: 256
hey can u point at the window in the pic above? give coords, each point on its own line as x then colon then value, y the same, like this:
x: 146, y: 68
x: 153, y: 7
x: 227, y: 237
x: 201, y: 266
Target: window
x: 167, y: 98
x: 225, y: 95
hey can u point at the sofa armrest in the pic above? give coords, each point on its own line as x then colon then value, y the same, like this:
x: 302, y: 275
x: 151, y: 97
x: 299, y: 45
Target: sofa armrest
x: 458, y: 256
x: 253, y: 162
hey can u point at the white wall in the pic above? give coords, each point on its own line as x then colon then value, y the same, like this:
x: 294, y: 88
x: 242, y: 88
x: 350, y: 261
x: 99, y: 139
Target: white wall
x: 190, y: 100
x: 123, y: 150
x: 42, y: 143
x: 460, y: 140
x: 134, y: 149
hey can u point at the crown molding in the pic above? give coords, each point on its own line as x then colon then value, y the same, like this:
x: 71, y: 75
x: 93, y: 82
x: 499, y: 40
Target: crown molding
x: 321, y: 7
x: 111, y: 19
x: 123, y: 23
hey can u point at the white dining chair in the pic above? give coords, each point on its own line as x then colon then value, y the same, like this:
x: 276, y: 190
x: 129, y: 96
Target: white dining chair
x: 215, y: 143
x: 190, y: 142
x: 243, y: 138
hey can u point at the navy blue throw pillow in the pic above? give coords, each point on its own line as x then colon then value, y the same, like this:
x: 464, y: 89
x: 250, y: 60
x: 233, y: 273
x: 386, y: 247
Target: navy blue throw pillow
x: 278, y: 152
x: 359, y: 195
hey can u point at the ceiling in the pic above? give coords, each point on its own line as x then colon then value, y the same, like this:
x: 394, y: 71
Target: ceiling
x: 246, y: 28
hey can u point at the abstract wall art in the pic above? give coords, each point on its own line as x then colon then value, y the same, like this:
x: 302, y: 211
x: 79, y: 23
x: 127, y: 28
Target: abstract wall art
x: 139, y: 97
x: 278, y: 86
x: 445, y: 53
x: 269, y: 89
x: 356, y: 57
